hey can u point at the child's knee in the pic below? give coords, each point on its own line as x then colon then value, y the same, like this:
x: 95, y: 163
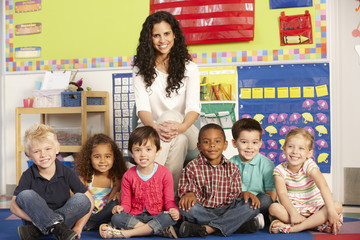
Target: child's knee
x: 192, y: 212
x: 274, y: 208
x: 81, y: 197
x: 26, y: 195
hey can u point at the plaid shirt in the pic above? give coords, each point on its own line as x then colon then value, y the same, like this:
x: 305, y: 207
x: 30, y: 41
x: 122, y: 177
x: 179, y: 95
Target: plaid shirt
x: 213, y: 186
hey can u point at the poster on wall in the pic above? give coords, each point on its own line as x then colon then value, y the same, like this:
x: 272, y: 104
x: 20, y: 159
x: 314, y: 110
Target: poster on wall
x: 209, y: 22
x: 283, y: 97
x: 123, y: 104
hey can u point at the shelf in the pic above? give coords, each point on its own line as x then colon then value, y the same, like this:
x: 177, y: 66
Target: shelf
x: 83, y: 110
x: 62, y: 148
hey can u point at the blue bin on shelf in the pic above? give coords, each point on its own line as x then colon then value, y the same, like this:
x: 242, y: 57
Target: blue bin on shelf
x: 71, y: 99
x: 69, y: 164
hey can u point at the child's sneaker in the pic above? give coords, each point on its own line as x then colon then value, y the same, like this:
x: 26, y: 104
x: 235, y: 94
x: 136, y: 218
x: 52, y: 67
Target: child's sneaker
x: 260, y: 220
x: 188, y: 229
x: 253, y: 225
x: 62, y: 232
x: 29, y: 232
x: 169, y: 233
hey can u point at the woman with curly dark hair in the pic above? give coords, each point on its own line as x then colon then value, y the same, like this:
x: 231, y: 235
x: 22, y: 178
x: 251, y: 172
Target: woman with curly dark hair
x: 100, y: 165
x: 167, y: 89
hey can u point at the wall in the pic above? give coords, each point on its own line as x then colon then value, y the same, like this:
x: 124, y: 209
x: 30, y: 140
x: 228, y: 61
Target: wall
x: 2, y: 47
x: 346, y: 84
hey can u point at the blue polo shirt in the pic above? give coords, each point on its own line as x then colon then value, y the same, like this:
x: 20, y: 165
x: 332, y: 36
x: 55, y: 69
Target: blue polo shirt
x: 55, y: 191
x: 257, y: 175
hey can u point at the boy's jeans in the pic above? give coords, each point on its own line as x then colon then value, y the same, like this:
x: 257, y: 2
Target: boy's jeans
x: 227, y: 218
x: 43, y: 217
x: 265, y: 202
x: 103, y: 216
x: 157, y: 222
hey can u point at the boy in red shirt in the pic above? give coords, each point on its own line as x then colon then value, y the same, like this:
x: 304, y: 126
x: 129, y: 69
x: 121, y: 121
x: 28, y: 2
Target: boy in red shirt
x: 210, y: 188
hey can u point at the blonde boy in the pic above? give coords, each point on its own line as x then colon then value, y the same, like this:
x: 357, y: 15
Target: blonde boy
x: 42, y: 198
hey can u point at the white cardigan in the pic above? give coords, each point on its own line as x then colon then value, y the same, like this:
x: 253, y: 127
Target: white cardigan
x: 154, y: 99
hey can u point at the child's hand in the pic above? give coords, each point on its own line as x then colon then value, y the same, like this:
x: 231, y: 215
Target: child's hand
x: 334, y: 221
x: 78, y: 231
x: 117, y: 209
x: 187, y: 201
x: 115, y: 197
x: 296, y: 218
x: 174, y: 213
x: 255, y: 203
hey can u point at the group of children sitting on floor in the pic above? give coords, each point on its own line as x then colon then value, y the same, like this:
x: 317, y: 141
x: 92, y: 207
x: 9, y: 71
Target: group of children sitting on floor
x: 214, y: 195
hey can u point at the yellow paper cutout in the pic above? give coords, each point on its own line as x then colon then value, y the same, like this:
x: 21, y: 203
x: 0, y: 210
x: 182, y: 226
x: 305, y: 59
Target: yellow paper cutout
x: 269, y: 92
x: 283, y: 92
x: 295, y: 92
x: 321, y: 91
x: 257, y: 93
x: 309, y: 92
x: 245, y: 93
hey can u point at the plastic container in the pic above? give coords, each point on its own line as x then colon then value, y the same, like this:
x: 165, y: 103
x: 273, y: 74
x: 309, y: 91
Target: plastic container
x: 47, y: 98
x: 70, y: 136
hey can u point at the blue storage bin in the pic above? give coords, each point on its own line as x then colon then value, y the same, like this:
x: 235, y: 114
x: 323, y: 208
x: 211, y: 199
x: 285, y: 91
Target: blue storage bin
x: 71, y: 99
x: 70, y: 164
x: 94, y: 101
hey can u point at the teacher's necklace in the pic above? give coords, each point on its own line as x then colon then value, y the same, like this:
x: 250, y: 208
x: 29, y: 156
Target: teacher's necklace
x: 162, y: 65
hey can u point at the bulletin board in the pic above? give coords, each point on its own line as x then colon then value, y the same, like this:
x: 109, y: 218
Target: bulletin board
x: 90, y: 34
x: 282, y: 97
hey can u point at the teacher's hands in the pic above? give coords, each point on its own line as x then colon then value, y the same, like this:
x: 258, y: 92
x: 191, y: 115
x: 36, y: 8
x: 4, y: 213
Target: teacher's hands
x: 169, y: 130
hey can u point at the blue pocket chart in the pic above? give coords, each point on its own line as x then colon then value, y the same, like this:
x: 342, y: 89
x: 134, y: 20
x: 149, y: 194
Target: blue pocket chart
x: 282, y: 97
x: 123, y: 105
x: 290, y: 4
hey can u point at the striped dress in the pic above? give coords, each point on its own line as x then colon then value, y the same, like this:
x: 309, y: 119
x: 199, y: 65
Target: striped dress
x: 302, y: 190
x: 100, y: 195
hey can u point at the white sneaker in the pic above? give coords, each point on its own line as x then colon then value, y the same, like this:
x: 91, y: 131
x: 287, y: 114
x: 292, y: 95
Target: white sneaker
x: 260, y: 220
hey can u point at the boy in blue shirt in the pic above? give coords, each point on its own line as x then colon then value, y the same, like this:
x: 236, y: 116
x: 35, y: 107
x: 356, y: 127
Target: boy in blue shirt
x: 256, y: 170
x: 42, y: 198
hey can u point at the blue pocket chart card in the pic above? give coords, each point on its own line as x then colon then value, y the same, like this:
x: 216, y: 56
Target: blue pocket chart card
x: 290, y: 4
x: 282, y: 97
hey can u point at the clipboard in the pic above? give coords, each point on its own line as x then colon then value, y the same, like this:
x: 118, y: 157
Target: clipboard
x: 56, y: 80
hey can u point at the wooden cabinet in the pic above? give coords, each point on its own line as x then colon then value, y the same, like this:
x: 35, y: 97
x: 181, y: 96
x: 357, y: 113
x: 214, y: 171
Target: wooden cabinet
x: 82, y: 110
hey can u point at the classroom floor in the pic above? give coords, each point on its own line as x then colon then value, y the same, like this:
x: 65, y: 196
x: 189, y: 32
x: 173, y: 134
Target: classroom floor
x: 349, y: 211
x: 350, y: 230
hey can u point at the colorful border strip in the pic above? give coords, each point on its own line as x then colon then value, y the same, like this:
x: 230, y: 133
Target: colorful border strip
x: 318, y: 52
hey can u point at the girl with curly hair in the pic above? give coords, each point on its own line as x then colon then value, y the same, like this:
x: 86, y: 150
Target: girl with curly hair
x: 167, y: 89
x: 100, y: 165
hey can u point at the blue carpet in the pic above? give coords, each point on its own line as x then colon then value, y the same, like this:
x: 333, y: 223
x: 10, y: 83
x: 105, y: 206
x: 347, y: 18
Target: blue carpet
x: 8, y: 230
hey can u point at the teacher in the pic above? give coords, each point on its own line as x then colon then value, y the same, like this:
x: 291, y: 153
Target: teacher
x: 167, y: 89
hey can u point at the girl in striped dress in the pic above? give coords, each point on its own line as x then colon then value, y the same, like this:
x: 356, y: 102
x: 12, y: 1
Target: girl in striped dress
x: 305, y: 198
x: 100, y: 166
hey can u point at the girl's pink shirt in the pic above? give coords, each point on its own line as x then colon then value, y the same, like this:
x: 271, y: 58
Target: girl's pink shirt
x: 156, y: 194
